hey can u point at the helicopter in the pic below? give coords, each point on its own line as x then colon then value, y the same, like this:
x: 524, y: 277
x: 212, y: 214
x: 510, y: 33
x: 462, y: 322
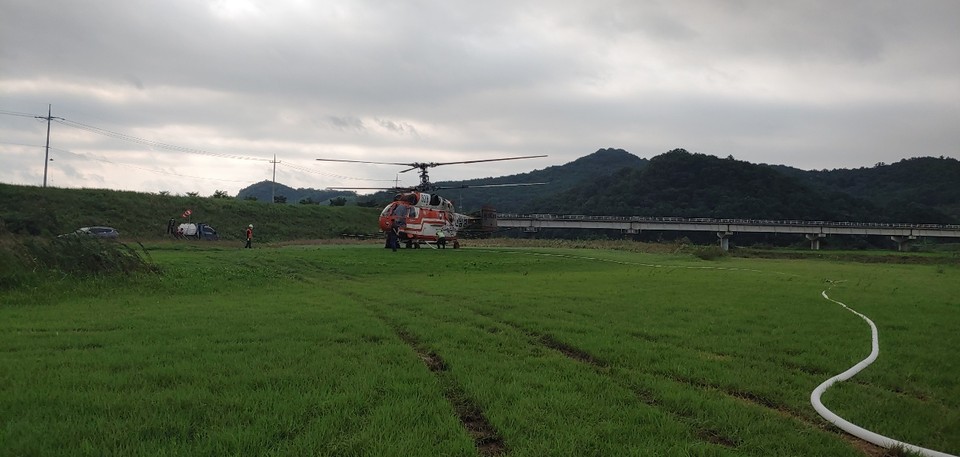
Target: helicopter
x: 418, y: 213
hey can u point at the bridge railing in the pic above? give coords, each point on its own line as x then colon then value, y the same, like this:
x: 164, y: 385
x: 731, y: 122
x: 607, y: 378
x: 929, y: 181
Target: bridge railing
x: 707, y: 220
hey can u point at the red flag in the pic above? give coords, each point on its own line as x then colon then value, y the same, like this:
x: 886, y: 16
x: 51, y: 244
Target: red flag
x: 186, y: 213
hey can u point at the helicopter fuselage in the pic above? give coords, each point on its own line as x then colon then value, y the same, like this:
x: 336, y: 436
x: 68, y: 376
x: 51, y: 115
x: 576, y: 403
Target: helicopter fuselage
x: 418, y: 216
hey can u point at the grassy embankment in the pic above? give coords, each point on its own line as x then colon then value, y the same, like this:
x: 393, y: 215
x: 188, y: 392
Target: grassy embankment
x: 48, y: 212
x: 355, y: 350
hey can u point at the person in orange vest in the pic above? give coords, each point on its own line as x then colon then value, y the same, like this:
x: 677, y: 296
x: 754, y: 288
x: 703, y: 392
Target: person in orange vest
x: 249, y: 236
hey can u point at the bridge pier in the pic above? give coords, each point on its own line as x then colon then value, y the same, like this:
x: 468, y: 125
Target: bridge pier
x: 815, y: 240
x: 724, y: 240
x: 902, y: 241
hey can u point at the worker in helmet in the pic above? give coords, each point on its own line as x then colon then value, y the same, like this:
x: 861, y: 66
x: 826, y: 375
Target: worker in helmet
x: 249, y: 236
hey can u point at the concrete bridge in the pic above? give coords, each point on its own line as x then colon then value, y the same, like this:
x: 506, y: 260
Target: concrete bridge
x: 725, y: 228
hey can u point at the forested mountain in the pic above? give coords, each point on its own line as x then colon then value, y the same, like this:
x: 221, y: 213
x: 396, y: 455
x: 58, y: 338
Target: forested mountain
x: 679, y: 183
x: 263, y: 190
x: 911, y: 189
x: 556, y: 179
x: 682, y: 184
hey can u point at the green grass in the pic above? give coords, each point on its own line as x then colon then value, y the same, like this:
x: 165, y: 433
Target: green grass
x: 319, y: 350
x: 52, y: 211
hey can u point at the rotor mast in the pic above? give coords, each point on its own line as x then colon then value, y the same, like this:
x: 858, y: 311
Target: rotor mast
x: 424, y: 176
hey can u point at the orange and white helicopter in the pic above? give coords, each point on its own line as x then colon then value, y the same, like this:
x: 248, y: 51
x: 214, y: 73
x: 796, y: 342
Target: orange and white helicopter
x: 418, y: 213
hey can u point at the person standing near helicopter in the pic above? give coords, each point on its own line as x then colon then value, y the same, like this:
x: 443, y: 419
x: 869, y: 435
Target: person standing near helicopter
x: 441, y: 238
x: 393, y: 236
x: 249, y: 237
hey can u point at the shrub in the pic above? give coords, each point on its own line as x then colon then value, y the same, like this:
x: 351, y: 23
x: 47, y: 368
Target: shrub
x: 709, y: 252
x: 24, y: 259
x: 12, y: 269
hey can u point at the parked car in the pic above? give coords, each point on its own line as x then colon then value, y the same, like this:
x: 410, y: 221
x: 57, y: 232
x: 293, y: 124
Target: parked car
x: 99, y: 232
x: 199, y: 231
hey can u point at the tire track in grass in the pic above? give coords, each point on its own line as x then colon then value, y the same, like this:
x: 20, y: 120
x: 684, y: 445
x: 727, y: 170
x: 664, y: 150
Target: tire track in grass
x: 784, y: 411
x: 485, y: 437
x: 649, y: 398
x: 777, y: 408
x: 743, y: 396
x: 571, y: 352
x: 864, y: 446
x: 601, y: 366
x: 666, y: 342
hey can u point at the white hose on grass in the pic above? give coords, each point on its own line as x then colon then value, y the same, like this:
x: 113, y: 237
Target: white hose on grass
x: 849, y: 427
x: 840, y: 422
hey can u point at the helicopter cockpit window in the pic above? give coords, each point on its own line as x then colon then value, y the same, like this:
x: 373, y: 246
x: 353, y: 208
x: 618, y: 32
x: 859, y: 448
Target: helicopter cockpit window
x: 412, y: 213
x: 386, y: 211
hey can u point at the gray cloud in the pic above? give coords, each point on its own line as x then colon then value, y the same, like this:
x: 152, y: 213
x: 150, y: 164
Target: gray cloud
x: 814, y: 84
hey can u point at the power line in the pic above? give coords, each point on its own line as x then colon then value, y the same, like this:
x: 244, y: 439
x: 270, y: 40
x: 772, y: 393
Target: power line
x: 15, y: 113
x: 153, y: 144
x: 151, y: 170
x: 330, y: 175
x: 22, y: 144
x: 160, y: 145
x: 133, y: 139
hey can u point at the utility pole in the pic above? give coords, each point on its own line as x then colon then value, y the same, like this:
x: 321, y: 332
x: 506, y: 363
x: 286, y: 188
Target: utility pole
x: 273, y: 188
x: 46, y: 156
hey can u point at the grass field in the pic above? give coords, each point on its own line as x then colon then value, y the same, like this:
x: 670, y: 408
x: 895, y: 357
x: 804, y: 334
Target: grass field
x: 356, y: 350
x: 50, y: 211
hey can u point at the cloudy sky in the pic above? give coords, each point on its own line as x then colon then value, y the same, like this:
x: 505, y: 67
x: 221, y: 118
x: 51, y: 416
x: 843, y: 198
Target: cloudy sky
x: 199, y: 95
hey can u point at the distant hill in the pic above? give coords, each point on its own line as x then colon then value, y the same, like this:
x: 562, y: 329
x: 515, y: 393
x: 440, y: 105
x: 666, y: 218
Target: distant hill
x: 679, y: 183
x: 911, y: 189
x: 469, y: 195
x: 590, y: 168
x: 263, y: 190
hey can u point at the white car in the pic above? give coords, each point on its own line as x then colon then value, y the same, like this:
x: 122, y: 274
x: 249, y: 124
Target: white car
x: 99, y: 232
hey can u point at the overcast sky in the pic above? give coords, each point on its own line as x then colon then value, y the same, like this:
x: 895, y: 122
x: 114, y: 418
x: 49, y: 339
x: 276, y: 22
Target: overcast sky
x: 198, y: 96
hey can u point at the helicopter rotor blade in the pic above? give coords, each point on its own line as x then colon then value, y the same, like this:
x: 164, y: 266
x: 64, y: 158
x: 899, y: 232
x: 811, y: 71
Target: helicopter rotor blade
x: 363, y: 161
x: 361, y: 188
x: 435, y: 164
x: 416, y: 165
